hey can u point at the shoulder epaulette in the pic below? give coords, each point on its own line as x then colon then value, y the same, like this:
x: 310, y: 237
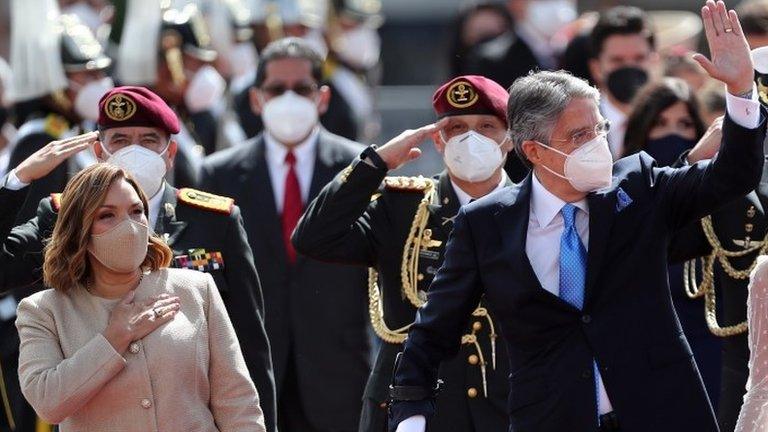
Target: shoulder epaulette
x: 205, y: 200
x: 56, y: 202
x: 55, y: 125
x: 408, y: 184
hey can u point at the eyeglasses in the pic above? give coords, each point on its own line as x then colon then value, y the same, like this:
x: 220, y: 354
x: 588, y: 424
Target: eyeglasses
x: 305, y: 90
x: 582, y: 137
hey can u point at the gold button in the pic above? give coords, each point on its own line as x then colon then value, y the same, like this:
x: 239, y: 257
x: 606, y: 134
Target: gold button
x: 477, y: 325
x: 751, y: 212
x: 146, y: 403
x: 473, y: 359
x: 472, y: 392
x: 749, y: 227
x: 134, y: 348
x: 383, y: 405
x: 420, y: 277
x: 446, y: 200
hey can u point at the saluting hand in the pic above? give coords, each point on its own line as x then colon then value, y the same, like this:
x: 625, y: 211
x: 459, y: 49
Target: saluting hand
x: 731, y: 61
x: 40, y: 163
x: 404, y: 147
x: 130, y: 321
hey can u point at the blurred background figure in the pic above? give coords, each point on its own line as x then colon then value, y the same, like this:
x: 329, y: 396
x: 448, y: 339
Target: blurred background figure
x: 476, y: 22
x: 712, y: 98
x: 680, y: 64
x: 624, y: 55
x: 7, y: 130
x: 754, y: 22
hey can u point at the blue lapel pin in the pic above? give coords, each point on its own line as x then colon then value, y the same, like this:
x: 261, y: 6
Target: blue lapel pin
x: 622, y: 200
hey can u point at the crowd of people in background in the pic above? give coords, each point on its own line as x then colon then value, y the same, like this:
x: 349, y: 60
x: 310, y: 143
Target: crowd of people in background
x: 242, y: 131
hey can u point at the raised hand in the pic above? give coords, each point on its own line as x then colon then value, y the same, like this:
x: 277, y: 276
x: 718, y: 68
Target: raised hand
x: 731, y: 62
x: 404, y: 147
x: 709, y: 144
x: 130, y: 321
x: 40, y: 163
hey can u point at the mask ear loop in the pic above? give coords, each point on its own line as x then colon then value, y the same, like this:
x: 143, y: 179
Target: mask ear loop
x: 558, y: 152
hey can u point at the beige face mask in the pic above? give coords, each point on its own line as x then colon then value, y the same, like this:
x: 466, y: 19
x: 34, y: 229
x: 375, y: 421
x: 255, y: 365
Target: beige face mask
x: 123, y: 247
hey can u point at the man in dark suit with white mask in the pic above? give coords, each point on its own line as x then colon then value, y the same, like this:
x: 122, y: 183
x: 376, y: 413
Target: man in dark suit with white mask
x: 573, y: 262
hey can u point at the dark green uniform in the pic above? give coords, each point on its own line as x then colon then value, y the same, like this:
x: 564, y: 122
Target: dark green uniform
x: 353, y: 221
x: 739, y: 226
x: 206, y: 234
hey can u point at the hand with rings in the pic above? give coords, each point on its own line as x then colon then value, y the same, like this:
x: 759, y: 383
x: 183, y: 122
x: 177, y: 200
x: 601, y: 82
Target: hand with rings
x: 130, y: 321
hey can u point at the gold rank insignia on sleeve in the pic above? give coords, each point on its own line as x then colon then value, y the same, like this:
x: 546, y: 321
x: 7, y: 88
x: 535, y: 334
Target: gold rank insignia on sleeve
x: 56, y: 202
x: 55, y: 125
x: 408, y: 184
x: 206, y: 201
x: 345, y: 174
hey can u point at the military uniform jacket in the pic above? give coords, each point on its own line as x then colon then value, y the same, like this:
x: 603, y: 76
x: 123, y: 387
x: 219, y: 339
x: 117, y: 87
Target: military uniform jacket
x: 345, y: 224
x: 201, y: 238
x: 738, y: 226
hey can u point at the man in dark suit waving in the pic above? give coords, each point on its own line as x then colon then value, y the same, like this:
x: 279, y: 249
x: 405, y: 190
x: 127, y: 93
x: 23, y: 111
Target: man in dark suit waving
x: 573, y: 262
x: 316, y: 313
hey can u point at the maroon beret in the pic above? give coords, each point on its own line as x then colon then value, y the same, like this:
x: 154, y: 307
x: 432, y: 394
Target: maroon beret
x: 136, y: 106
x: 471, y: 94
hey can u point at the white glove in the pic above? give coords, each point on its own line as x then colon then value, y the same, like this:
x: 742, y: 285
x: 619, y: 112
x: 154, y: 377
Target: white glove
x: 417, y: 423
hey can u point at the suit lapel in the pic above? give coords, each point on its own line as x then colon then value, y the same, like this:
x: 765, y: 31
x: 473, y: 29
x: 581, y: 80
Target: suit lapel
x: 602, y: 212
x: 167, y: 225
x: 512, y: 218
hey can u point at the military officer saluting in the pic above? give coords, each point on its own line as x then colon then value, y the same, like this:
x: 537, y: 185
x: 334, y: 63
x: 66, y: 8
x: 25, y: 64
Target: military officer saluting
x: 205, y: 231
x: 398, y: 226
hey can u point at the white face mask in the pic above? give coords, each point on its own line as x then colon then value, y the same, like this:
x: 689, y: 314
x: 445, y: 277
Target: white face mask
x: 589, y: 167
x: 360, y: 47
x: 549, y: 16
x: 204, y: 90
x: 242, y: 59
x: 471, y: 156
x: 145, y: 166
x: 87, y: 98
x: 289, y: 117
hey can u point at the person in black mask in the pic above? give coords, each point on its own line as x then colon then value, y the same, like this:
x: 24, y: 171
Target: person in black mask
x: 624, y: 53
x: 665, y: 122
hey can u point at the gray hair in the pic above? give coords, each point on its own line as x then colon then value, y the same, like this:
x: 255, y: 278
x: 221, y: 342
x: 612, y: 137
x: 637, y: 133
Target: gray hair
x: 536, y: 102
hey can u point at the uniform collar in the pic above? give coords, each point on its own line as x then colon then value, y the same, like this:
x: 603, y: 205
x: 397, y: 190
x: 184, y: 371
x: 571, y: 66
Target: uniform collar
x: 465, y: 198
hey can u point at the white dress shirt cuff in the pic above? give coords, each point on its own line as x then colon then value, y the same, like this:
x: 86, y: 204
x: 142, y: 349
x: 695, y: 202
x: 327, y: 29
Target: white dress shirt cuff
x: 417, y: 423
x: 744, y: 112
x: 13, y: 183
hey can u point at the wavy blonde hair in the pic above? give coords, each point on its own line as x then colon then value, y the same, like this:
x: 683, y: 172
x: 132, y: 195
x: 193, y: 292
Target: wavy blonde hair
x: 66, y: 262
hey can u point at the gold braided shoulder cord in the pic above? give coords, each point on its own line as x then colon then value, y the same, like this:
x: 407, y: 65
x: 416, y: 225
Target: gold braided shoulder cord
x: 409, y: 268
x: 376, y: 311
x: 707, y: 286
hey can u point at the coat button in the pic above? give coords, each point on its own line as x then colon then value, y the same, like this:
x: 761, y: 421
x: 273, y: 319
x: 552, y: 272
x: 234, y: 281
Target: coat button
x: 586, y: 319
x: 473, y: 359
x: 472, y: 392
x: 477, y: 325
x: 134, y: 347
x: 146, y: 403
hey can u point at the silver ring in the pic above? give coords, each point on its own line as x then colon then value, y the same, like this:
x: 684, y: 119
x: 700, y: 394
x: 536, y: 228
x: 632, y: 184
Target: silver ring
x: 157, y: 314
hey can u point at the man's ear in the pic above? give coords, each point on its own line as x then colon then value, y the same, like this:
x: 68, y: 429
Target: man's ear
x: 255, y: 100
x: 324, y: 100
x: 170, y: 154
x: 531, y: 152
x: 438, y: 140
x: 98, y: 151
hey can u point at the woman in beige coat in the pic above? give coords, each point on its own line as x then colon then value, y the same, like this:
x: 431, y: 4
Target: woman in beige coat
x: 122, y: 343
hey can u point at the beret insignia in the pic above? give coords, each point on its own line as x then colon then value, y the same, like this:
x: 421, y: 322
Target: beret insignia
x: 206, y: 201
x: 461, y: 94
x: 119, y: 107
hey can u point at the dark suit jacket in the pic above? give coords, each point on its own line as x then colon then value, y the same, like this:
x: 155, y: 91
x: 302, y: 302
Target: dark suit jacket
x: 316, y: 313
x: 628, y: 324
x: 184, y: 227
x: 344, y: 225
x: 731, y: 223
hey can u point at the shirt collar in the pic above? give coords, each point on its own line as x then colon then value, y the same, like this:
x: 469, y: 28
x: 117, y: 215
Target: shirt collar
x: 465, y: 198
x: 276, y: 152
x: 546, y: 205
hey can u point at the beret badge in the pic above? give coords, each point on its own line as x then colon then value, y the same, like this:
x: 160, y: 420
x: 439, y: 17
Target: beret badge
x: 119, y: 107
x: 461, y: 95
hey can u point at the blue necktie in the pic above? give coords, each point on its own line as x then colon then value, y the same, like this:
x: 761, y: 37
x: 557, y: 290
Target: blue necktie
x: 573, y: 268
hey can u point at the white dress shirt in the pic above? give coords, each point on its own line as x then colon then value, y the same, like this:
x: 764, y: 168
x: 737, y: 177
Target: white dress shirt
x: 154, y: 203
x: 305, y: 165
x: 618, y: 122
x: 465, y: 198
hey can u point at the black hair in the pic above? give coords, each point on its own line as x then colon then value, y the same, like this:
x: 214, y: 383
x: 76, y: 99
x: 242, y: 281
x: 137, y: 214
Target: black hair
x: 754, y: 17
x: 620, y: 20
x: 290, y: 47
x: 458, y: 49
